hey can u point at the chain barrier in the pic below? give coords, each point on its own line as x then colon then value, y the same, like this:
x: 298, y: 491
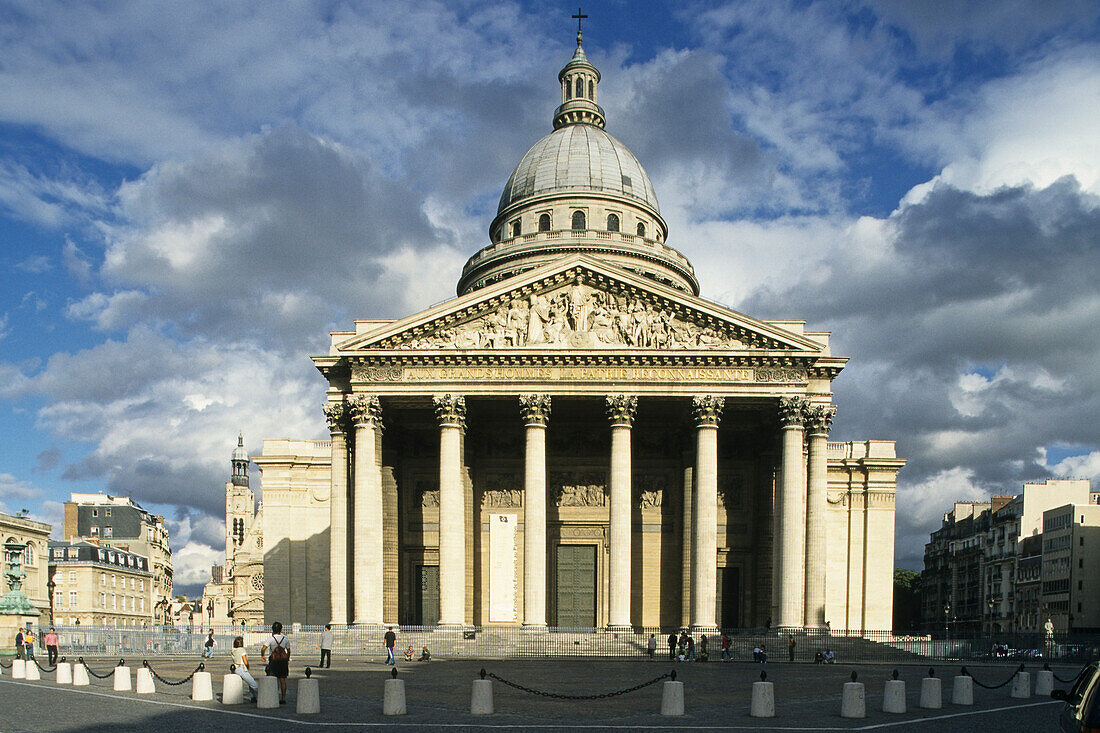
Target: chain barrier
x: 993, y: 687
x: 39, y: 665
x: 562, y: 696
x: 1066, y: 681
x: 145, y: 663
x: 5, y: 666
x: 95, y: 674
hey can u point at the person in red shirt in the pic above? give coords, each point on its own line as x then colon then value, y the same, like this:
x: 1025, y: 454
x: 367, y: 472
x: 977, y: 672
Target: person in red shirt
x: 726, y: 656
x: 50, y: 641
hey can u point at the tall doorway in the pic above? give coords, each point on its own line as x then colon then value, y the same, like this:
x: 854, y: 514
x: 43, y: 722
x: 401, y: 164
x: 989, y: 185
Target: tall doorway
x: 427, y: 595
x: 576, y: 586
x: 728, y: 597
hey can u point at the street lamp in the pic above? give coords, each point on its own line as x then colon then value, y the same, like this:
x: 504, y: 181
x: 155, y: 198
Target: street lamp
x: 946, y: 623
x: 50, y: 585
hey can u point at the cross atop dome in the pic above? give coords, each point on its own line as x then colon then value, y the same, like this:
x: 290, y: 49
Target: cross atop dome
x: 579, y: 16
x: 579, y: 81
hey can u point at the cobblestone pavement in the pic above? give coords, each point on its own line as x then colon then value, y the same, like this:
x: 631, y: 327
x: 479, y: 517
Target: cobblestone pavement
x: 438, y: 694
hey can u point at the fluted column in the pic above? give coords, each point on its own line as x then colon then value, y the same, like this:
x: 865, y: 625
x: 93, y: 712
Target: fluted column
x: 535, y: 409
x: 790, y: 567
x: 620, y: 411
x: 707, y: 411
x: 818, y: 421
x: 450, y: 410
x: 366, y: 530
x: 336, y: 414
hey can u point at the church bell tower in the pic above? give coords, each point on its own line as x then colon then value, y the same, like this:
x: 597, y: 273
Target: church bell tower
x: 240, y: 504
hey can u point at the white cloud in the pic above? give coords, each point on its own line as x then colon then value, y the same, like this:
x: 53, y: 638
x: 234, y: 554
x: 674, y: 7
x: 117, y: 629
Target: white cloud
x: 191, y: 564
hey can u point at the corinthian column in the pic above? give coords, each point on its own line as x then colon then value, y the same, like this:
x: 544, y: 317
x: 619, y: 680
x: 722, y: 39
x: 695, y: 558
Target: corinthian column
x: 789, y: 499
x: 535, y: 409
x: 366, y: 414
x: 620, y: 411
x: 335, y: 414
x: 707, y: 411
x: 819, y: 419
x: 450, y: 410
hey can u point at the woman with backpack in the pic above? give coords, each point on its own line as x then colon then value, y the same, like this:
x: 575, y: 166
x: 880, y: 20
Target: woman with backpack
x: 279, y: 666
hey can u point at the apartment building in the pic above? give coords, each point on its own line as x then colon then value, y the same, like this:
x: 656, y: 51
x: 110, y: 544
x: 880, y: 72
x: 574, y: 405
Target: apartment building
x: 1071, y: 568
x: 99, y: 586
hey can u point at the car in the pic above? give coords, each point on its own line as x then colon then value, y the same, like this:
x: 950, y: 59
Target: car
x: 1081, y: 713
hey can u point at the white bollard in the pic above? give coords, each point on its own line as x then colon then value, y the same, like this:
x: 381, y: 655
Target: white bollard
x: 853, y: 701
x: 893, y: 697
x: 80, y: 675
x: 962, y: 693
x: 931, y: 693
x: 32, y: 672
x: 18, y: 669
x: 267, y: 696
x: 763, y: 700
x: 672, y: 698
x: 145, y: 684
x: 202, y: 687
x: 393, y: 697
x: 309, y: 696
x: 123, y: 681
x: 481, y: 698
x: 1021, y: 685
x: 1044, y: 682
x: 64, y: 673
x: 232, y: 689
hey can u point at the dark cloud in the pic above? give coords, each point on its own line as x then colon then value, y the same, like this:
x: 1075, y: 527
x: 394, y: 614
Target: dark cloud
x: 49, y: 458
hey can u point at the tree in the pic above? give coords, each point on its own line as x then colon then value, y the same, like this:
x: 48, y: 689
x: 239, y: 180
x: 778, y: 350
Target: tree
x: 907, y: 600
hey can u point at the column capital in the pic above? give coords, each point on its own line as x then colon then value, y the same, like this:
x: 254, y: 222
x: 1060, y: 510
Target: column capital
x: 364, y: 410
x: 621, y: 408
x: 707, y: 409
x: 535, y: 408
x: 450, y: 410
x: 336, y: 414
x: 792, y: 411
x: 819, y: 419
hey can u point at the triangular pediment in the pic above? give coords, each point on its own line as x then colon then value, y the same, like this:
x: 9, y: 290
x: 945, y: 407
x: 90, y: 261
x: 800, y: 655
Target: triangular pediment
x: 579, y: 303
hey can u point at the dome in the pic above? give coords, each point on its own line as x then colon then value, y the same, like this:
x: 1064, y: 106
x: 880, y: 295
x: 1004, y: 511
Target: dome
x: 239, y: 453
x: 578, y: 159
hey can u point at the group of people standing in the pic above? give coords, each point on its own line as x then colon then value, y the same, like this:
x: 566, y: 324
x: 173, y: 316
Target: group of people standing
x: 24, y: 644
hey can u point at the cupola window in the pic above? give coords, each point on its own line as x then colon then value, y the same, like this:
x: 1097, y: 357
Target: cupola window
x: 516, y: 230
x: 578, y: 221
x: 612, y: 222
x: 544, y: 222
x: 641, y: 229
x: 568, y: 90
x: 592, y: 90
x: 580, y: 87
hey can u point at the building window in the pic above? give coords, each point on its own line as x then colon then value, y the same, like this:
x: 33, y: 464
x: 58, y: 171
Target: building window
x: 108, y: 532
x: 641, y: 229
x: 59, y: 599
x: 114, y: 581
x: 72, y: 576
x: 612, y: 222
x: 103, y: 579
x: 580, y: 88
x: 28, y: 554
x: 95, y: 531
x: 544, y: 222
x: 578, y: 221
x: 103, y: 600
x: 592, y: 90
x: 95, y: 512
x: 516, y: 228
x: 107, y: 512
x: 568, y: 90
x: 1080, y: 563
x: 72, y: 599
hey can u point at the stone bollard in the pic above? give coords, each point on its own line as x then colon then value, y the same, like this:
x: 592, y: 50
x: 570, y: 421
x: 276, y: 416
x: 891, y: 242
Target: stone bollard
x: 145, y: 684
x: 763, y: 698
x: 393, y: 696
x: 123, y: 681
x: 893, y: 696
x: 1044, y: 682
x: 309, y: 694
x: 853, y: 700
x: 80, y: 675
x: 1021, y: 685
x: 931, y: 692
x: 202, y: 687
x: 481, y: 697
x: 267, y: 695
x: 18, y: 669
x: 962, y: 692
x: 32, y: 672
x: 672, y: 698
x: 232, y: 689
x: 64, y: 673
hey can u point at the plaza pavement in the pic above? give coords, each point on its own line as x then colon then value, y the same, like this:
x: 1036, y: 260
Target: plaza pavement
x: 438, y: 695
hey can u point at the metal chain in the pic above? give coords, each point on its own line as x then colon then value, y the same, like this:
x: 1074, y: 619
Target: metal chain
x: 1066, y: 681
x: 561, y: 696
x: 36, y: 663
x: 145, y: 663
x: 93, y: 673
x: 5, y: 666
x: 993, y: 687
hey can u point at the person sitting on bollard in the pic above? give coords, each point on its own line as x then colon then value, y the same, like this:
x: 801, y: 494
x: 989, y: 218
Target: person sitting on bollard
x: 829, y: 657
x: 409, y: 653
x: 240, y: 666
x: 726, y: 655
x: 51, y: 646
x: 279, y: 666
x: 208, y: 645
x: 425, y: 655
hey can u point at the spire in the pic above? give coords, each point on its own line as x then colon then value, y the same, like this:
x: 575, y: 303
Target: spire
x: 240, y: 462
x: 579, y: 82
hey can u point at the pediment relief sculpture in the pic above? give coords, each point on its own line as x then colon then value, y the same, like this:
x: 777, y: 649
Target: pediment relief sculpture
x: 579, y: 489
x: 575, y: 316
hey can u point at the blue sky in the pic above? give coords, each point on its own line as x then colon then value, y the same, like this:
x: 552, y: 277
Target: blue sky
x: 921, y: 179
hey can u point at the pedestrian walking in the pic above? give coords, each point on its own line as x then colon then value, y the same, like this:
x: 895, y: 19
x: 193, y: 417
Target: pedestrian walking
x: 390, y: 641
x: 279, y: 666
x: 325, y: 646
x: 240, y: 666
x: 208, y: 645
x: 672, y: 646
x: 652, y: 646
x: 790, y: 647
x: 51, y: 646
x: 726, y: 656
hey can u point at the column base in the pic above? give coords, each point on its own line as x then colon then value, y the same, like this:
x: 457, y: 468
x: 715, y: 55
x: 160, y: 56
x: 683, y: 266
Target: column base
x: 536, y: 628
x: 704, y: 629
x: 619, y: 629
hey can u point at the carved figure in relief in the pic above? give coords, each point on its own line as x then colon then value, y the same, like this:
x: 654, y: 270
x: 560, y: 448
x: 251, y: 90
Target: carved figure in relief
x: 501, y: 498
x: 538, y: 314
x: 651, y: 499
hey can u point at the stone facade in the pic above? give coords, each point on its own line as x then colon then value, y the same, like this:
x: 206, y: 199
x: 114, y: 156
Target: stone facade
x: 100, y: 586
x: 34, y: 536
x: 579, y: 439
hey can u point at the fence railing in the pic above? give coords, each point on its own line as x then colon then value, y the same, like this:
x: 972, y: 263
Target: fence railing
x: 509, y: 642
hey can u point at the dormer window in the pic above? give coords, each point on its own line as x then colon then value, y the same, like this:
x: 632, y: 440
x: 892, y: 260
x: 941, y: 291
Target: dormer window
x: 612, y: 222
x: 544, y: 222
x: 578, y: 221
